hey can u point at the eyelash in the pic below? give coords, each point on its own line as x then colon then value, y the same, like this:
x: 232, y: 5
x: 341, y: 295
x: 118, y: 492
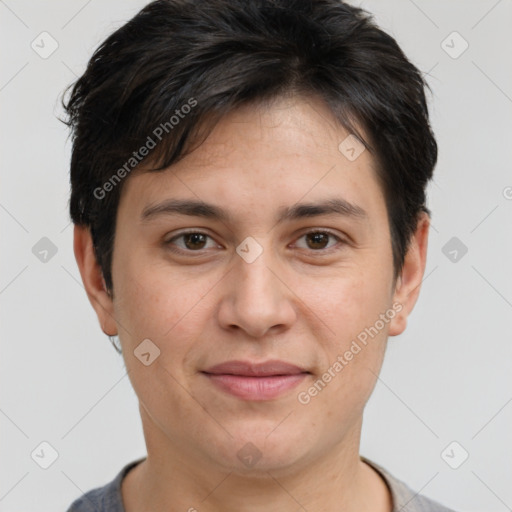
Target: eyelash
x: 169, y: 242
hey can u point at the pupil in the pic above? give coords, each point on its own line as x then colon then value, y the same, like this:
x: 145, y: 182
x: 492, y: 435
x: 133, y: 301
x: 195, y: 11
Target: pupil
x: 196, y: 239
x: 316, y: 237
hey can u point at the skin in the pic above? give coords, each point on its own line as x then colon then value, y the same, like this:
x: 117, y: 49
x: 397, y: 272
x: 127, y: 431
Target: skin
x: 299, y: 301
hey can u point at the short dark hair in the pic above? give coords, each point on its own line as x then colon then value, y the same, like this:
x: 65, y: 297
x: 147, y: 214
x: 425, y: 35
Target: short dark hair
x: 216, y: 55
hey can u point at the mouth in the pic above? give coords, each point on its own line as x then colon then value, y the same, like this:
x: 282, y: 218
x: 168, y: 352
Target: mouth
x: 256, y: 381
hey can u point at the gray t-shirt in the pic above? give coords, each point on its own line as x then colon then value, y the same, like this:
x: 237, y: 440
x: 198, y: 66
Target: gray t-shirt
x: 108, y: 498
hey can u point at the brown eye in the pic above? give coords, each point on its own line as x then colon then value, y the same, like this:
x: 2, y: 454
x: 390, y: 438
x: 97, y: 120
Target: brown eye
x: 193, y: 241
x: 319, y: 240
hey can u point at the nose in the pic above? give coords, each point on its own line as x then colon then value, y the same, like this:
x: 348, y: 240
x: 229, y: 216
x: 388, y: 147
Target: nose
x: 257, y: 299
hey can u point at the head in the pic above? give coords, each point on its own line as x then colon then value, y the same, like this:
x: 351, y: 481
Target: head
x: 278, y: 119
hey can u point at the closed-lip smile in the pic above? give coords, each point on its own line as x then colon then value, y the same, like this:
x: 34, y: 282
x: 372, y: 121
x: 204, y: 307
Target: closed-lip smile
x: 255, y: 380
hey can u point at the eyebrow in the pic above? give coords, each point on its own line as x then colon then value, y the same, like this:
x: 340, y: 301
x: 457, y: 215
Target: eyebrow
x: 197, y: 208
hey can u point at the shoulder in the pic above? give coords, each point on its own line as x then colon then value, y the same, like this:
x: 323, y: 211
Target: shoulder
x: 404, y: 498
x: 103, y: 499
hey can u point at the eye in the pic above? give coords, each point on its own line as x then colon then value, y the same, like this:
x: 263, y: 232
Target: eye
x: 197, y: 241
x: 193, y: 241
x: 319, y: 239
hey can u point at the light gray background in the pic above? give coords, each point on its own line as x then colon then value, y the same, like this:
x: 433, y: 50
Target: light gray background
x: 447, y: 378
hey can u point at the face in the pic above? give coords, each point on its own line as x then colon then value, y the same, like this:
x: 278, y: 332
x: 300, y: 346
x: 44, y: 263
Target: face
x: 258, y: 283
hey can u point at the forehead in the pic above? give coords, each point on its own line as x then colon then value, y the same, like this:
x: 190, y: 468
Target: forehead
x: 263, y: 156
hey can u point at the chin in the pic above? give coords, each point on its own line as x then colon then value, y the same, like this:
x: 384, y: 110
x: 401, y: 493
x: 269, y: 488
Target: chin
x: 258, y: 449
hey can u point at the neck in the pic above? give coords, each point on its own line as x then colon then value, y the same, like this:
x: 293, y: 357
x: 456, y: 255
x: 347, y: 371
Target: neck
x: 177, y: 481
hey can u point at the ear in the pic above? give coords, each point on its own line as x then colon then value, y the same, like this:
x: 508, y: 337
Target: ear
x: 92, y: 277
x: 408, y: 284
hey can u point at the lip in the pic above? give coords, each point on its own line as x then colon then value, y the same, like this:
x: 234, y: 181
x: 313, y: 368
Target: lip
x: 256, y: 381
x: 271, y: 367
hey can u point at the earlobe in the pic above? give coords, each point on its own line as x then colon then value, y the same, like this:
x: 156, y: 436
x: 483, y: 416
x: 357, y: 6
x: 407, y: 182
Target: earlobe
x: 93, y: 280
x: 408, y: 284
x: 398, y: 324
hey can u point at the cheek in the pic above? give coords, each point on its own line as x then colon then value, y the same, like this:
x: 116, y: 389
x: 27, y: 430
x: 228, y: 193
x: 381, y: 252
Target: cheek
x: 353, y: 337
x: 167, y: 309
x: 145, y: 300
x: 344, y: 306
x: 159, y: 302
